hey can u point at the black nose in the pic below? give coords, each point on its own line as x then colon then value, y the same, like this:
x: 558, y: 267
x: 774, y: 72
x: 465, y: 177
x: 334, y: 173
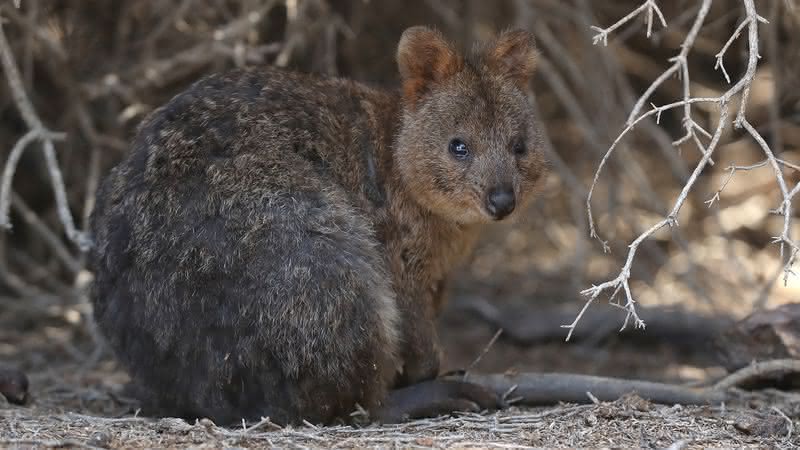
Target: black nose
x: 500, y: 201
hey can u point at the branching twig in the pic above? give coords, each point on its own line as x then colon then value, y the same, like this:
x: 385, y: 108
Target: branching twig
x: 38, y: 132
x: 681, y: 66
x: 732, y: 169
x: 721, y: 54
x: 649, y: 7
x: 785, y: 209
x: 742, y: 87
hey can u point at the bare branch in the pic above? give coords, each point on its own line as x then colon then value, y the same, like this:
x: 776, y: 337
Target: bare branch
x: 785, y: 209
x: 721, y: 54
x: 732, y: 169
x: 38, y: 132
x: 649, y: 7
x: 742, y: 87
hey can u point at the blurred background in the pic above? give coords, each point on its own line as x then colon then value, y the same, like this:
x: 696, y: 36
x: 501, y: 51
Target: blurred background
x: 94, y: 68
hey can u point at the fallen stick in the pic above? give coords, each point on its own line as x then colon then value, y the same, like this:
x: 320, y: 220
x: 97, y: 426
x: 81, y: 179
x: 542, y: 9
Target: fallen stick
x: 758, y: 371
x: 538, y: 389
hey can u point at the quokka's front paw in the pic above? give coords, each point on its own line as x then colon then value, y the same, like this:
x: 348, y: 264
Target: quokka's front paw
x: 420, y: 364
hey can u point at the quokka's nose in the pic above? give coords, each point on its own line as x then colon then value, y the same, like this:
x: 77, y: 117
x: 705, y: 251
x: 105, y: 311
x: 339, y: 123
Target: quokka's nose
x: 500, y: 201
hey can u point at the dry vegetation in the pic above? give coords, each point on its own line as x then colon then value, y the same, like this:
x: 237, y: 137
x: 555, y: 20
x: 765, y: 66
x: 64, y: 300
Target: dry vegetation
x: 675, y: 123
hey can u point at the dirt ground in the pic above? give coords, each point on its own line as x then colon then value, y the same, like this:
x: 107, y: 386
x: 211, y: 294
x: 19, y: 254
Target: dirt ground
x: 77, y: 402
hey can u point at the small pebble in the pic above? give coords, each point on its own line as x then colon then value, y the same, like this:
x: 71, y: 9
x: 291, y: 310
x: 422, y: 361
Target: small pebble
x: 761, y: 425
x: 173, y: 425
x: 99, y: 439
x: 13, y: 385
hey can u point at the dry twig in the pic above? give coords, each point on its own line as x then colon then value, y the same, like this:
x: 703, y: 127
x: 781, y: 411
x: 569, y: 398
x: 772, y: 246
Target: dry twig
x: 758, y: 370
x: 552, y: 388
x: 536, y: 389
x: 649, y: 7
x: 741, y: 88
x: 37, y: 132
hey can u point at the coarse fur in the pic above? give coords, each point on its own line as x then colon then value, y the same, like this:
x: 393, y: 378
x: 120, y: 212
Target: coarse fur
x: 277, y: 244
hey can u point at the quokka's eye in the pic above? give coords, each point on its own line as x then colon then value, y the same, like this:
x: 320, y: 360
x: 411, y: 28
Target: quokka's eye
x: 519, y: 148
x: 458, y: 149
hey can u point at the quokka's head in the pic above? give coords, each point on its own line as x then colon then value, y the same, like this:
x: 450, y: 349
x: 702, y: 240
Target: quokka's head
x: 468, y: 148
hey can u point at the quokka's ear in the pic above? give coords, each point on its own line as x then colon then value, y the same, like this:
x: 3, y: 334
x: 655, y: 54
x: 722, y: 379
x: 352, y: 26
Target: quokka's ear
x: 512, y: 55
x: 424, y: 58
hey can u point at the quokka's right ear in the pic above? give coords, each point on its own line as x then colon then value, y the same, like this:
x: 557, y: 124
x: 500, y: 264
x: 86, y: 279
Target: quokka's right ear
x: 424, y: 58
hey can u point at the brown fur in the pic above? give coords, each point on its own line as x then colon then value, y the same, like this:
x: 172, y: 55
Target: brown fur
x: 511, y: 55
x: 277, y: 244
